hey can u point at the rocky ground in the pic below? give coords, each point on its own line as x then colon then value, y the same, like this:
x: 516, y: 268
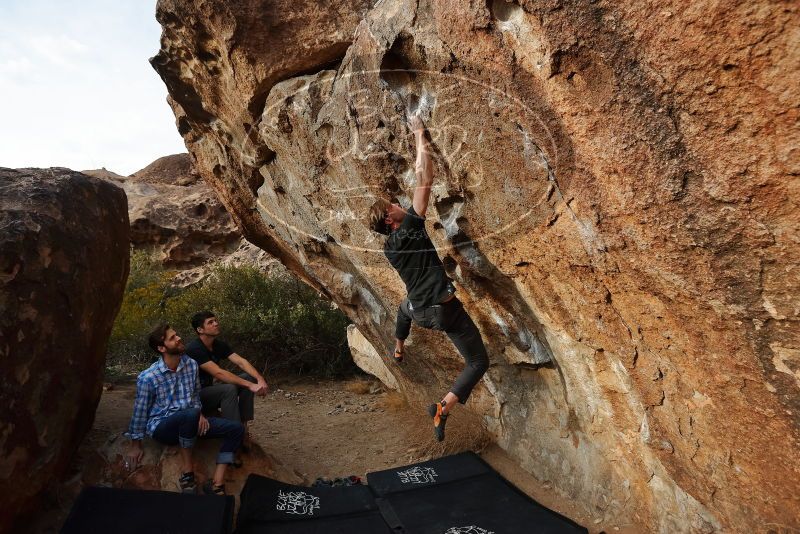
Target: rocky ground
x: 308, y: 429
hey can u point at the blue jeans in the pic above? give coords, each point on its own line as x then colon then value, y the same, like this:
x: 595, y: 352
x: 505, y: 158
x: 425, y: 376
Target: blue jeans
x: 180, y: 428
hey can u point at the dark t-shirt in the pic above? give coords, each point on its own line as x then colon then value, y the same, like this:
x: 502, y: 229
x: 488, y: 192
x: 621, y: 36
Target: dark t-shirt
x: 219, y: 351
x: 411, y: 252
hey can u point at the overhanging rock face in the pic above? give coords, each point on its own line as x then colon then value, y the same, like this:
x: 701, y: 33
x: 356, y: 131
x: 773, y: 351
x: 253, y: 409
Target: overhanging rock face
x: 616, y: 195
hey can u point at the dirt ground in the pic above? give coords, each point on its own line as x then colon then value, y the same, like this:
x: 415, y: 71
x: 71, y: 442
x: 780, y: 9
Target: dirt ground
x: 328, y: 429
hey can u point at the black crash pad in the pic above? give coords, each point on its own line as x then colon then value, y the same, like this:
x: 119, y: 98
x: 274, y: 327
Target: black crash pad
x: 415, y: 476
x: 123, y: 511
x: 461, y: 494
x: 268, y: 506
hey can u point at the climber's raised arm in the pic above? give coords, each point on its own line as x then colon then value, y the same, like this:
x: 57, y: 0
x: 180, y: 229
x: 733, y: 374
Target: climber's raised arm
x: 423, y: 167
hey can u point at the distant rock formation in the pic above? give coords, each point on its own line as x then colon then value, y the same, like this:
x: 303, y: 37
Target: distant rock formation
x: 247, y: 255
x: 64, y: 250
x: 176, y: 169
x: 175, y: 214
x: 616, y: 192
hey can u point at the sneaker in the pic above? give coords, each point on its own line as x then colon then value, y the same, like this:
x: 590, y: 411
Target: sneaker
x: 209, y: 488
x: 187, y: 483
x: 439, y: 420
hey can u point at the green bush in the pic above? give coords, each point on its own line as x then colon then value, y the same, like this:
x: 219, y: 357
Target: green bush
x: 278, y: 323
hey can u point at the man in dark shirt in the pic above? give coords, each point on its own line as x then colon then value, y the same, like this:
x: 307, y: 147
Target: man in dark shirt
x: 232, y: 394
x: 431, y: 302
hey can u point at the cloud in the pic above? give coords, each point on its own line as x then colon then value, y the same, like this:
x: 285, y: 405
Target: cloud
x: 77, y: 90
x: 60, y: 50
x: 16, y: 66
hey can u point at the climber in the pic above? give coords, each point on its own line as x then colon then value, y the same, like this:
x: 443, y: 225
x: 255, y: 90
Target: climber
x: 430, y: 302
x: 167, y: 408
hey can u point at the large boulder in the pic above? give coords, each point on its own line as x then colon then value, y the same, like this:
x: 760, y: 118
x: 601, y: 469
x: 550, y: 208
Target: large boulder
x: 63, y: 266
x: 616, y: 195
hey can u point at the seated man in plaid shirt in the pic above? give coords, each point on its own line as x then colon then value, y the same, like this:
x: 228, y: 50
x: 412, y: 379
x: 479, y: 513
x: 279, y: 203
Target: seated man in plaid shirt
x: 167, y: 408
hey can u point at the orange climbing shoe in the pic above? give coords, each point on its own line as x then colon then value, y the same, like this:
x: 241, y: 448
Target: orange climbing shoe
x: 439, y: 420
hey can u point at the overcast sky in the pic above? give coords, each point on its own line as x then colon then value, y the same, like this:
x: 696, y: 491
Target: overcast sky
x: 76, y: 89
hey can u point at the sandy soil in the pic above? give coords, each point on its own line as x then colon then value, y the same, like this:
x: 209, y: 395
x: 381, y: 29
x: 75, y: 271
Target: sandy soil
x: 328, y: 429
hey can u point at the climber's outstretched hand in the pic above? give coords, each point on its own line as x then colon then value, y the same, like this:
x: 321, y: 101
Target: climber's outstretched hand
x: 416, y: 125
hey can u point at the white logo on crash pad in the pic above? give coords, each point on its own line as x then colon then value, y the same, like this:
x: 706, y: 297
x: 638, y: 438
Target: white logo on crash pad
x: 297, y: 502
x: 417, y: 475
x: 472, y: 529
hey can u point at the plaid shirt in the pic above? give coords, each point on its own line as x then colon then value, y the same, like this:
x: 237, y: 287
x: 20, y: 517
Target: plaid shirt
x: 161, y: 392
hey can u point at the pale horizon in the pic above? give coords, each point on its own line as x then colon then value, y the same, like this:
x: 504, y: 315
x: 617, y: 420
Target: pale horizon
x: 77, y: 89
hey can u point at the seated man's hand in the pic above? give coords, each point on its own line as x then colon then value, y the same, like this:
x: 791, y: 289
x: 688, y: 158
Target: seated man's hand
x: 256, y: 388
x: 263, y: 388
x: 203, y: 426
x: 134, y: 456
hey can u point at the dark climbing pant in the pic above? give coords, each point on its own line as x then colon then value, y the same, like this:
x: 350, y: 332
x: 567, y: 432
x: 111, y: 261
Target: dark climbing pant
x: 180, y: 428
x: 451, y: 318
x: 235, y: 402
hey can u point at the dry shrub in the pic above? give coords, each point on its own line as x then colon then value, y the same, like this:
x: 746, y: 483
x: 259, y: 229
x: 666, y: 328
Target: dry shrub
x: 464, y: 432
x: 394, y: 402
x: 276, y: 322
x: 359, y: 387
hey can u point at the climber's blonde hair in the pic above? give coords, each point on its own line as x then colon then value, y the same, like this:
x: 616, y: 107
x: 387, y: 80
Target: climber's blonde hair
x: 376, y: 219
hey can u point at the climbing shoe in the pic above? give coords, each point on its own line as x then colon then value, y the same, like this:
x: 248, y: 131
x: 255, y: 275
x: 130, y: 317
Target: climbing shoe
x: 439, y: 420
x: 209, y: 488
x: 187, y: 483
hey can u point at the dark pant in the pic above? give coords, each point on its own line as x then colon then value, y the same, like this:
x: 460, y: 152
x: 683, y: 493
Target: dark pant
x: 235, y: 402
x: 180, y: 428
x: 451, y: 318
